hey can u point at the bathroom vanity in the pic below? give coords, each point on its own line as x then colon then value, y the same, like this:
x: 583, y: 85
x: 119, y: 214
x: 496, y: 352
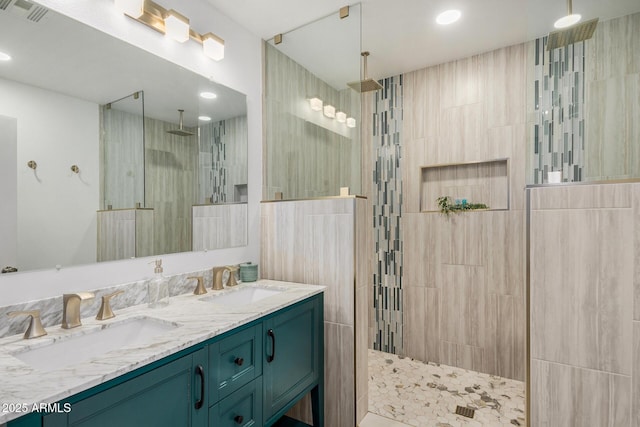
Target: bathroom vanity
x: 240, y: 357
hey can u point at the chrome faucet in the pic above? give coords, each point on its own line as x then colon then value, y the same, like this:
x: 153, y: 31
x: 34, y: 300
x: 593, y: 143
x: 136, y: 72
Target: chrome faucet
x: 218, y: 272
x: 71, y: 308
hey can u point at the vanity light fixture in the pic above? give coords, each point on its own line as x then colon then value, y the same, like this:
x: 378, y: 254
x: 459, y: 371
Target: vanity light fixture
x: 341, y: 117
x: 351, y: 122
x: 133, y: 8
x: 208, y: 95
x: 315, y: 103
x: 172, y: 24
x: 204, y: 118
x: 4, y: 56
x: 448, y: 17
x: 213, y: 46
x: 330, y: 111
x: 176, y: 26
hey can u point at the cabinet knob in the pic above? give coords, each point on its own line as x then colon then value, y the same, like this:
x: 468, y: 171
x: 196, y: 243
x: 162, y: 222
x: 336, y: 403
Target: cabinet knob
x: 239, y: 361
x: 238, y: 419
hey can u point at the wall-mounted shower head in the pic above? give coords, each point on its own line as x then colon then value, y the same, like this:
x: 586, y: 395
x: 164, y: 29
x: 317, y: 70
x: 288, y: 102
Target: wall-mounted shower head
x: 181, y: 131
x: 366, y: 85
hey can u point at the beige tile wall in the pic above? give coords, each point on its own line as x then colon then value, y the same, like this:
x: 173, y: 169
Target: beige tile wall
x: 124, y: 234
x: 321, y: 242
x: 219, y: 226
x: 585, y: 341
x: 464, y: 275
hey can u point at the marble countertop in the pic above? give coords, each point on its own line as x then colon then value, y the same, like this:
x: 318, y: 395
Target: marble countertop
x: 22, y: 386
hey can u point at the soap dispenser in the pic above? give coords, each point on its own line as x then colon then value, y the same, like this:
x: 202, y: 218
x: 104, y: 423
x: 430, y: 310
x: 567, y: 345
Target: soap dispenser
x: 158, y: 288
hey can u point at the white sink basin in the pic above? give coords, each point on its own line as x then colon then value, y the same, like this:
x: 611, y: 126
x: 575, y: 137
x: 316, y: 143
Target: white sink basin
x: 82, y: 347
x: 242, y: 296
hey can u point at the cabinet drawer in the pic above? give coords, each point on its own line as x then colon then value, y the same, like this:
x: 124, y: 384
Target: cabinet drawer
x: 242, y: 408
x: 234, y: 362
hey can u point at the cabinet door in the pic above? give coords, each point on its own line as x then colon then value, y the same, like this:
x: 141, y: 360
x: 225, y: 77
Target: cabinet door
x: 163, y: 397
x: 292, y: 348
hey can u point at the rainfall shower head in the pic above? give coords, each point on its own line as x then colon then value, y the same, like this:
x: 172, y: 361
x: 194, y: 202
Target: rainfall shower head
x: 366, y: 85
x: 570, y: 31
x: 574, y: 34
x: 181, y: 131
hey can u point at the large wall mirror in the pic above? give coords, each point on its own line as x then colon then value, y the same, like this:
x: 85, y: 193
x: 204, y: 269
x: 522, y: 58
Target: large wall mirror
x: 97, y: 161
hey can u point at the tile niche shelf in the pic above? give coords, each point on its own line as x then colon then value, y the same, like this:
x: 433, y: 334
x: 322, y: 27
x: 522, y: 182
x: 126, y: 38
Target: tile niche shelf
x: 484, y: 181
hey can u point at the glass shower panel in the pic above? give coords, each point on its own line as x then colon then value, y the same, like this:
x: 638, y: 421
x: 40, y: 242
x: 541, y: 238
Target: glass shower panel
x: 123, y: 152
x: 313, y: 118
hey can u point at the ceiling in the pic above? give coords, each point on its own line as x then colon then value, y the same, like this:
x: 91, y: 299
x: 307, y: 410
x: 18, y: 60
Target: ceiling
x: 403, y: 36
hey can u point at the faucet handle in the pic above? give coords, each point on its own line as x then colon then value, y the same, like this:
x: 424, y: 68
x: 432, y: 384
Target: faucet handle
x: 35, y: 328
x: 200, y: 289
x: 232, y: 275
x: 105, y: 311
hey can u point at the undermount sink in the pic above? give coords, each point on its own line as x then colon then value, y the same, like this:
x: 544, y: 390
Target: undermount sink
x: 242, y: 296
x: 82, y: 347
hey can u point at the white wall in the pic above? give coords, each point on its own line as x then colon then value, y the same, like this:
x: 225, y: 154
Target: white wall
x: 56, y: 208
x: 8, y: 192
x: 241, y: 70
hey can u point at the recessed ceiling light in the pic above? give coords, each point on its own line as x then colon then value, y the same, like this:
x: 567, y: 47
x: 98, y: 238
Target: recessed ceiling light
x: 448, y: 17
x: 204, y: 118
x: 208, y: 95
x: 4, y: 56
x: 567, y: 21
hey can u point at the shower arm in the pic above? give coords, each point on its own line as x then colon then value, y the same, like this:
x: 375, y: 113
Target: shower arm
x: 366, y: 74
x: 569, y: 7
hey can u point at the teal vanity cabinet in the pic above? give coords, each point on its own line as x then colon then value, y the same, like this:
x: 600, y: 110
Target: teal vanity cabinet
x: 170, y: 395
x: 247, y: 377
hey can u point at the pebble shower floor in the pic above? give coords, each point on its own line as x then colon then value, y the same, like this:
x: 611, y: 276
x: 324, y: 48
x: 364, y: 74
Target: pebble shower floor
x: 427, y: 394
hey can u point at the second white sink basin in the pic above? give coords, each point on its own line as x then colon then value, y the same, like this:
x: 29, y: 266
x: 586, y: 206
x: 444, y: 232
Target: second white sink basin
x: 82, y: 347
x: 242, y: 296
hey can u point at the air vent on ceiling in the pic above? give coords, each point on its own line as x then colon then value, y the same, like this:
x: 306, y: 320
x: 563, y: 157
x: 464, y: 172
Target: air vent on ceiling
x: 25, y: 9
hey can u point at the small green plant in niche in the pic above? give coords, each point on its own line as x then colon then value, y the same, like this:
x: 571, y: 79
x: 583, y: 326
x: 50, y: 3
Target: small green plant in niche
x: 447, y: 207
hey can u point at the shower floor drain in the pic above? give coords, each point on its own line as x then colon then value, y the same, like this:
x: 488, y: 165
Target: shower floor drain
x: 465, y: 412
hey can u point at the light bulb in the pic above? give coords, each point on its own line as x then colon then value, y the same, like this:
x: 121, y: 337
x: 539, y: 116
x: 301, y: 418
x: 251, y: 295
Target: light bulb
x: 330, y: 111
x: 133, y: 8
x: 341, y: 117
x: 315, y: 103
x: 448, y: 17
x: 213, y: 46
x: 351, y: 122
x: 176, y: 26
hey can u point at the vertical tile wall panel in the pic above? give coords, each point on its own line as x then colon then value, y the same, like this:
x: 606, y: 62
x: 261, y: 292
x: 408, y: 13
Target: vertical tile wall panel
x: 585, y: 343
x: 581, y: 287
x: 468, y: 110
x: 219, y: 226
x: 567, y: 396
x: 316, y: 241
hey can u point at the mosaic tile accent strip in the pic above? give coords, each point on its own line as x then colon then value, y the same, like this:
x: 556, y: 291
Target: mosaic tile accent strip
x: 387, y: 213
x: 427, y: 394
x: 558, y: 131
x: 222, y: 160
x: 213, y: 174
